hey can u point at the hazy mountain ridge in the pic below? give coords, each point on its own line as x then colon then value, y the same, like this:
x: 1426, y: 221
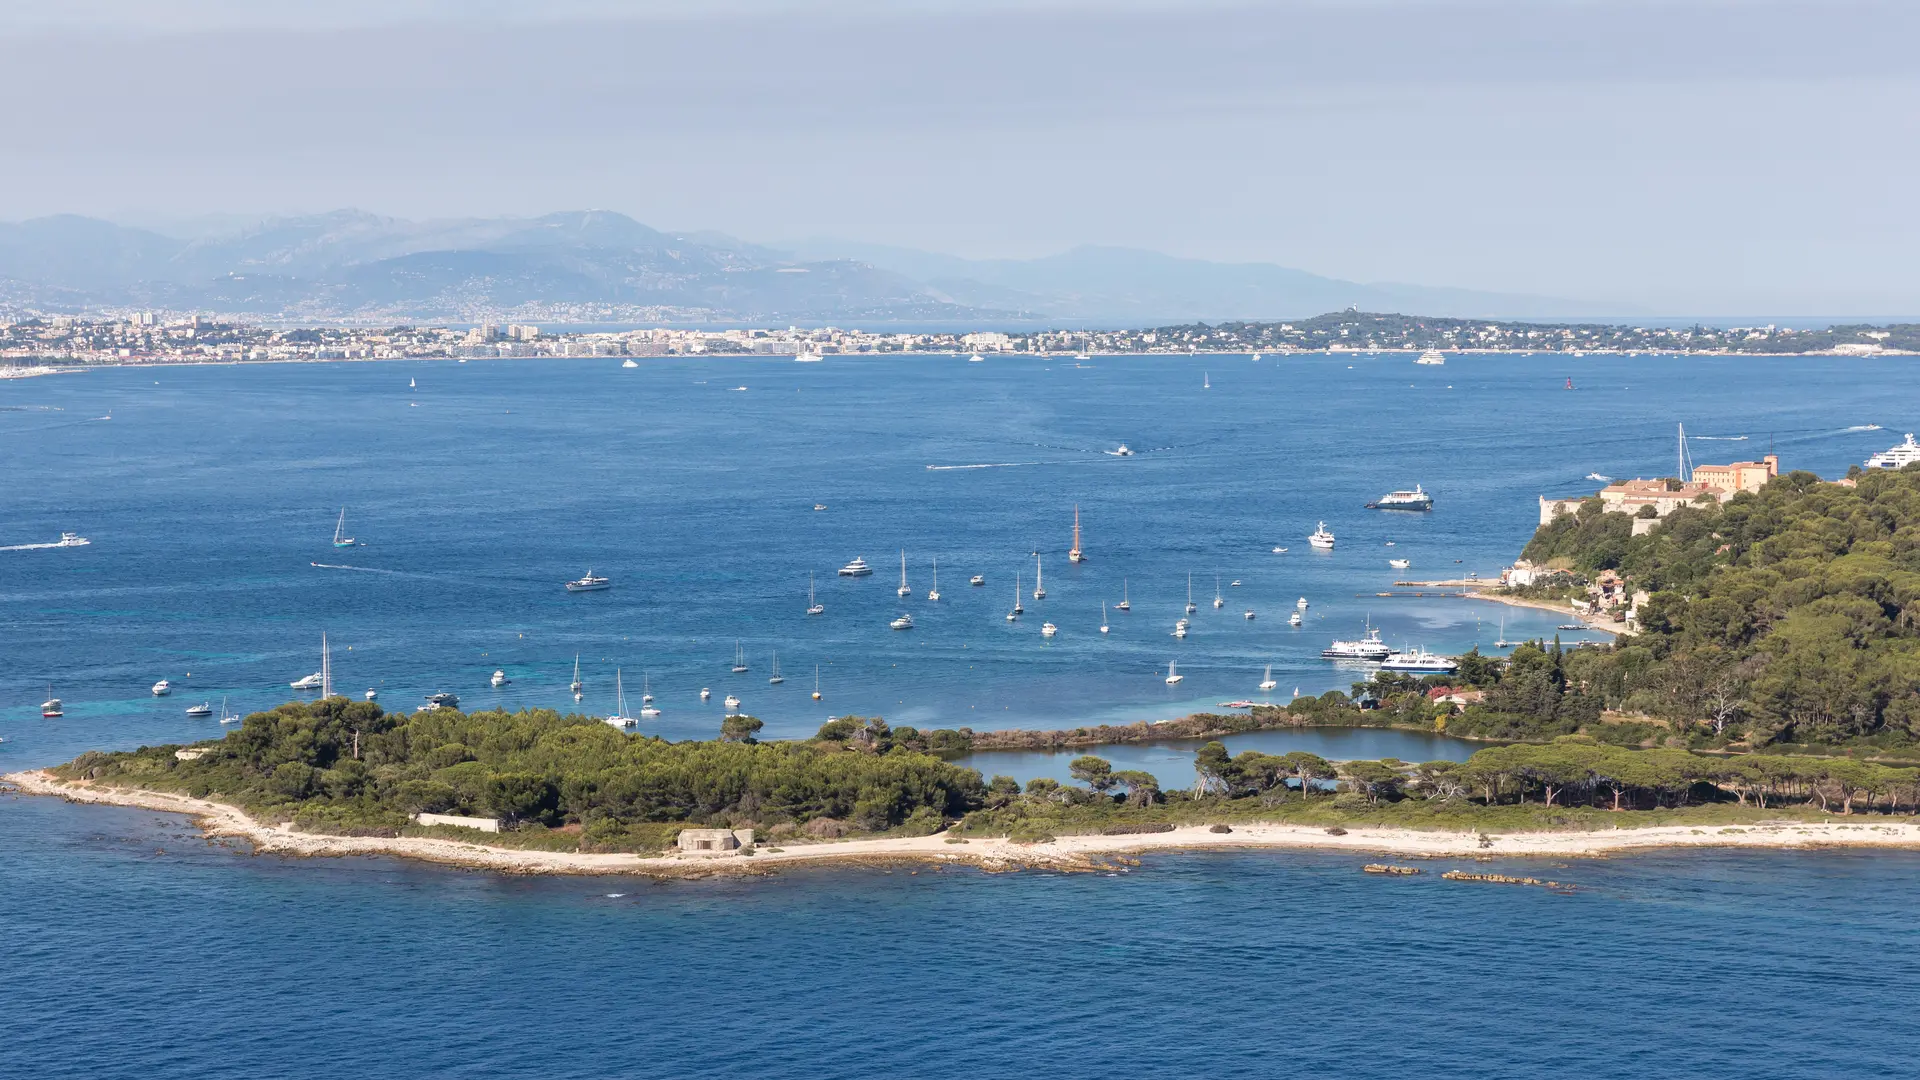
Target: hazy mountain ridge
x: 597, y: 264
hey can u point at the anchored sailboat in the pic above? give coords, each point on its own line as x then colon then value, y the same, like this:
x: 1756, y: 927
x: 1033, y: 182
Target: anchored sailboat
x: 1124, y: 604
x: 619, y: 717
x: 1191, y: 608
x: 816, y: 682
x: 1173, y: 674
x: 1017, y: 609
x: 576, y: 684
x: 340, y: 537
x: 1076, y: 555
x: 1039, y: 591
x: 739, y: 657
x: 647, y: 710
x: 1103, y: 617
x: 1218, y: 600
x: 1266, y: 681
x: 814, y: 607
x: 934, y: 593
x: 777, y: 678
x: 905, y: 589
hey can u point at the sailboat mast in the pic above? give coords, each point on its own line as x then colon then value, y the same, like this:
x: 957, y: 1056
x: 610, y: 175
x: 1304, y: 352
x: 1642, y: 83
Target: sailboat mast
x: 326, y: 667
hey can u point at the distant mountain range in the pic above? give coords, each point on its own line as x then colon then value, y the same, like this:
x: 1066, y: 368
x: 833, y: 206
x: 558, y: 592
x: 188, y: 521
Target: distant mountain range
x: 599, y: 266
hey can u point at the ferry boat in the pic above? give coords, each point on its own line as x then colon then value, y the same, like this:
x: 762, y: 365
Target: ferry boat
x: 1419, y: 662
x: 1898, y: 457
x: 1433, y: 357
x: 311, y: 682
x: 1321, y: 538
x: 68, y: 539
x: 857, y: 568
x: 590, y: 583
x: 1417, y: 499
x: 904, y: 622
x: 205, y: 708
x: 1369, y: 648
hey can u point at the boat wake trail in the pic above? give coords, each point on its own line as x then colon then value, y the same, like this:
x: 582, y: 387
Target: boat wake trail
x: 361, y: 569
x: 31, y: 547
x: 1716, y: 438
x: 1863, y: 427
x: 993, y: 465
x: 57, y: 427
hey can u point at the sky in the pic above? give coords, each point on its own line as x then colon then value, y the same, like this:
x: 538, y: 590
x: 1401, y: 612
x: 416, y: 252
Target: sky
x: 1690, y: 157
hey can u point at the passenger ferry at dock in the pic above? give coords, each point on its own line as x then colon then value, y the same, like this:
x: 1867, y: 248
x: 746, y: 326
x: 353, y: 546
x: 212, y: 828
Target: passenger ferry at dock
x: 1369, y: 648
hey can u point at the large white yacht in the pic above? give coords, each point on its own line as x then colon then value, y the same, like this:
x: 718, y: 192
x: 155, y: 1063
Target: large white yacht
x: 1419, y: 662
x: 1897, y: 458
x: 311, y: 682
x: 590, y: 583
x: 1321, y: 538
x: 857, y: 568
x: 1417, y: 499
x: 68, y: 539
x: 1432, y: 357
x: 1368, y: 648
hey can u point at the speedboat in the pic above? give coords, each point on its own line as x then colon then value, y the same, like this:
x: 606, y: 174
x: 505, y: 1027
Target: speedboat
x: 1369, y: 648
x: 1301, y: 603
x: 975, y: 358
x: 1294, y: 619
x: 857, y: 568
x: 311, y: 682
x: 1279, y: 551
x: 1182, y: 624
x: 1234, y: 584
x: 1123, y: 450
x: 1399, y: 564
x: 904, y: 622
x: 68, y: 539
x: 1419, y: 662
x: 977, y: 580
x: 443, y: 700
x: 1321, y: 538
x: 205, y: 708
x: 589, y: 583
x: 1249, y: 613
x: 499, y: 678
x: 819, y: 506
x: 731, y: 703
x: 162, y: 688
x: 706, y: 694
x: 1179, y: 631
x: 1416, y: 499
x: 1048, y: 629
x: 372, y: 693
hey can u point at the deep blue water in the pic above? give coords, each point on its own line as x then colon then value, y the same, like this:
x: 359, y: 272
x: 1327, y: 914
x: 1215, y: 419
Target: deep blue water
x: 212, y: 490
x: 206, y: 963
x: 137, y: 949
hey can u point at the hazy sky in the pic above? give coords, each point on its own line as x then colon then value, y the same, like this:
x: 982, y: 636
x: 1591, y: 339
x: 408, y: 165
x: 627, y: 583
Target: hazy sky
x: 1683, y: 155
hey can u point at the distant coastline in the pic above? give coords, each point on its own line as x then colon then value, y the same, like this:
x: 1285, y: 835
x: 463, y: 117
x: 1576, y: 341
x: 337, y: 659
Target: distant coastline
x: 1066, y: 852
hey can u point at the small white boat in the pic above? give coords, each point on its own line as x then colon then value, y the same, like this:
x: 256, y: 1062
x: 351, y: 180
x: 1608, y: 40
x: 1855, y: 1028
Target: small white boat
x: 1234, y: 584
x: 1279, y: 551
x: 162, y: 688
x: 1399, y: 564
x: 1321, y: 538
x: 1179, y: 631
x: 68, y: 539
x: 776, y: 678
x: 1301, y: 603
x: 1124, y: 604
x: 819, y: 507
x: 732, y: 703
x: 934, y: 593
x: 1017, y: 609
x: 1266, y: 681
x: 1173, y: 674
x: 499, y: 678
x: 311, y: 682
x: 977, y: 580
x: 1249, y: 613
x: 814, y: 607
x: 629, y: 363
x: 857, y: 568
x: 904, y: 622
x: 372, y: 693
x: 576, y: 684
x: 975, y: 358
x: 1123, y: 450
x: 647, y: 709
x: 905, y: 589
x: 1295, y: 619
x: 816, y: 682
x: 589, y: 583
x: 706, y: 694
x: 1048, y: 629
x: 739, y: 657
x: 227, y: 717
x: 205, y: 708
x: 619, y: 719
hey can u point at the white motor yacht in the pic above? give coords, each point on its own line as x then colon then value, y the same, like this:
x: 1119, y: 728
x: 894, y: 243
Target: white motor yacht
x: 977, y: 580
x: 589, y: 583
x: 162, y: 688
x: 1432, y: 358
x: 732, y: 703
x: 1048, y: 629
x: 1249, y: 613
x: 706, y: 694
x: 629, y: 363
x: 205, y: 708
x: 1301, y: 603
x: 1898, y: 457
x: 904, y: 622
x: 1123, y: 450
x: 68, y: 539
x: 311, y: 682
x: 1295, y: 618
x: 372, y: 693
x: 1321, y: 538
x: 499, y: 678
x: 1179, y: 631
x: 857, y: 568
x: 1399, y: 564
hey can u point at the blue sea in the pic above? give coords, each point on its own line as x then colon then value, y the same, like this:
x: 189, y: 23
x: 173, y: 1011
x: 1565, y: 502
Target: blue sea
x: 136, y: 948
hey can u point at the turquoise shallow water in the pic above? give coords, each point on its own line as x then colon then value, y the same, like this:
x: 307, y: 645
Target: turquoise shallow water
x: 206, y: 963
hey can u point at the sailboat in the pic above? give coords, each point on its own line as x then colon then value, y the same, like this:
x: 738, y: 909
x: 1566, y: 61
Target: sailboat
x: 1103, y: 617
x: 576, y: 684
x: 225, y: 716
x: 410, y: 385
x: 1124, y: 604
x: 647, y: 709
x: 340, y: 538
x: 1503, y: 643
x: 814, y: 607
x: 1218, y: 600
x: 1190, y: 605
x: 1076, y: 555
x: 777, y: 678
x: 326, y: 669
x: 816, y: 682
x: 905, y: 589
x: 739, y: 657
x: 1173, y: 675
x: 1206, y: 381
x: 619, y: 717
x: 934, y: 593
x: 50, y: 708
x: 1017, y: 609
x: 1266, y: 681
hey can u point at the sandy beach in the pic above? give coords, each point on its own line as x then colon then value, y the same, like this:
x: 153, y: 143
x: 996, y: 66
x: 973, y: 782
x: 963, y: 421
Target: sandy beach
x: 1595, y: 625
x: 1066, y: 852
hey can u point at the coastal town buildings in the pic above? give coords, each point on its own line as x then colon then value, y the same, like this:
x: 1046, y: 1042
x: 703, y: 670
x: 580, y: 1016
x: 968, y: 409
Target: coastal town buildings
x: 1664, y: 496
